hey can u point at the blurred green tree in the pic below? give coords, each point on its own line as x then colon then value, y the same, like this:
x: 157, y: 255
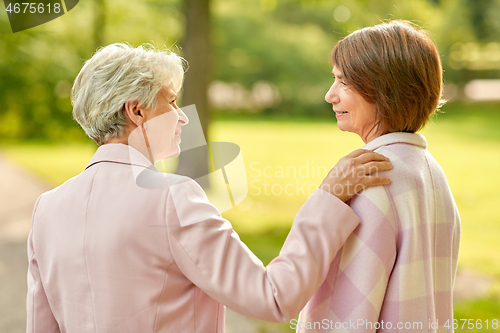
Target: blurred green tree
x: 284, y: 43
x: 197, y: 51
x: 479, y: 15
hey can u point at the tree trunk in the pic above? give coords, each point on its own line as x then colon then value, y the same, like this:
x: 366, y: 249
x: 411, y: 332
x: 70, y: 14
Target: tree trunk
x: 98, y: 24
x: 197, y: 50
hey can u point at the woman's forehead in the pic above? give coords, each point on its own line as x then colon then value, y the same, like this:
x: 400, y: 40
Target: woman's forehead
x: 168, y: 91
x: 337, y: 71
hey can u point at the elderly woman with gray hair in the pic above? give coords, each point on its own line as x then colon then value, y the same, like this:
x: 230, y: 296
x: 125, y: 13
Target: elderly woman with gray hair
x: 107, y: 255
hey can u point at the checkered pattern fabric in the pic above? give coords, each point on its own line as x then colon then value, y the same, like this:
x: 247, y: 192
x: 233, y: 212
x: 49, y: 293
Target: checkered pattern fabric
x: 396, y: 271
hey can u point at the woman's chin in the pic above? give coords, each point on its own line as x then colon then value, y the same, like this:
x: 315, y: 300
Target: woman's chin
x: 342, y: 127
x: 172, y: 153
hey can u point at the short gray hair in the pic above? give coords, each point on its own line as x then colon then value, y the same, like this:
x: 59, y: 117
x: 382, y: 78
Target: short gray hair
x: 116, y: 74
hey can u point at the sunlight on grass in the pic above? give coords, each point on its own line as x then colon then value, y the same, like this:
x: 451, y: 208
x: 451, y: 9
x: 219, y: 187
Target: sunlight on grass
x: 484, y: 312
x: 55, y: 163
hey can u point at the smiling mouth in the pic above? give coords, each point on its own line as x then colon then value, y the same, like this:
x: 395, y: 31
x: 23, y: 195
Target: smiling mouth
x: 340, y: 112
x: 178, y: 133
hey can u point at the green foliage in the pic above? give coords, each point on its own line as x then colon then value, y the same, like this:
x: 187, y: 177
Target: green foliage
x: 288, y: 43
x: 38, y: 66
x: 286, y: 47
x: 285, y: 42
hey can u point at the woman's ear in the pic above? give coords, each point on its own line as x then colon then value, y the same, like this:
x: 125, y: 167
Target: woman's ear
x: 134, y: 112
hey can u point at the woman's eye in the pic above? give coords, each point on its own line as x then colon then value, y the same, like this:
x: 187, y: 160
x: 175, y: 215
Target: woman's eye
x: 343, y: 83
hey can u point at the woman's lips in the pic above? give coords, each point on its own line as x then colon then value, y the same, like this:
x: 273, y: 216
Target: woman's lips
x: 178, y: 133
x: 340, y: 113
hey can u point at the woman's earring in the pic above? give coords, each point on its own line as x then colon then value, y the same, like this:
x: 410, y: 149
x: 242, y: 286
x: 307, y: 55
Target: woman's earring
x: 144, y: 126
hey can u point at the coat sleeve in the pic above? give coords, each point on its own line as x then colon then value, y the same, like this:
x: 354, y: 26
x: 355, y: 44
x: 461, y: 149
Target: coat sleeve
x: 39, y: 315
x: 209, y: 252
x: 354, y: 290
x: 369, y: 258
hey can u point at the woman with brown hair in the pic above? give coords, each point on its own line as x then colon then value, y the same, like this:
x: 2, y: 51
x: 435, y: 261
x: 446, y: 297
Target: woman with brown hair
x: 396, y: 271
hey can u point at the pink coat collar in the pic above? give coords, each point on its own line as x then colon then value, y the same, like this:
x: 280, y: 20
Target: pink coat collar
x: 120, y: 153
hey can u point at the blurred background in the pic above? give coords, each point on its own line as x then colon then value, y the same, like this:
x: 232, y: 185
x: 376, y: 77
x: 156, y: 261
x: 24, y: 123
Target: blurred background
x: 258, y: 73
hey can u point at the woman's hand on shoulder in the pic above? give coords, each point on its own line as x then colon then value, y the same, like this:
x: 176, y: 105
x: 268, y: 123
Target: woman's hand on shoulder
x: 355, y: 172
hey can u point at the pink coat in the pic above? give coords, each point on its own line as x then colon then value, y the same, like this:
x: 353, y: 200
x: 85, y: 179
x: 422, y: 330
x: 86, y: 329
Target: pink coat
x: 106, y: 255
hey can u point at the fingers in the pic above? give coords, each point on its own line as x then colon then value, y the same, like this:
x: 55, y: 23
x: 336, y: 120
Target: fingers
x: 372, y: 167
x: 370, y: 156
x: 355, y: 172
x: 358, y: 152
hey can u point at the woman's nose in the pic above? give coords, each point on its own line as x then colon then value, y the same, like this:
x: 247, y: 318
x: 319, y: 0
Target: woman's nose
x: 331, y: 95
x: 183, y: 119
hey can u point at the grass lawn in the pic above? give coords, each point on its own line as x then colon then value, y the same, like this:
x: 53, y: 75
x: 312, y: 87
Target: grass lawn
x: 465, y: 141
x: 483, y: 311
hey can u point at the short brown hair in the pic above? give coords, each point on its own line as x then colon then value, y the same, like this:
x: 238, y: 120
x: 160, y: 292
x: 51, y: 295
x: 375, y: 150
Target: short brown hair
x: 395, y: 66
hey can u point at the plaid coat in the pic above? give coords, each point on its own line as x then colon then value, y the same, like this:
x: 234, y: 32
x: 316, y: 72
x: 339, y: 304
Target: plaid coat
x: 397, y: 270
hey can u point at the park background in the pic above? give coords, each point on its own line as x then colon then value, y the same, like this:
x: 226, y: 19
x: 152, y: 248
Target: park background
x: 258, y: 73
